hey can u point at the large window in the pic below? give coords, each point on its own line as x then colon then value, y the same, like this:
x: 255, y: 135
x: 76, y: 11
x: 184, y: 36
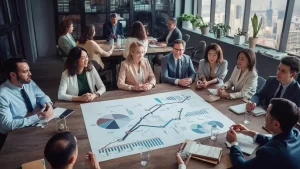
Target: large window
x: 237, y: 8
x: 272, y: 14
x: 293, y: 45
x: 220, y: 11
x: 205, y: 11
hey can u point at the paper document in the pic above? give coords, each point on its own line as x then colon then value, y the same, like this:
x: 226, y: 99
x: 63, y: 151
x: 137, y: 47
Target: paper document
x: 203, y: 150
x: 154, y: 46
x: 241, y: 108
x: 213, y: 91
x: 246, y: 144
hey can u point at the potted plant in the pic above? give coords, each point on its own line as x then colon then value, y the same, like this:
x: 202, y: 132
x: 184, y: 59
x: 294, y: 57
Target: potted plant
x: 240, y: 37
x: 256, y: 27
x: 220, y: 30
x: 204, y: 27
x: 186, y: 18
x: 195, y: 21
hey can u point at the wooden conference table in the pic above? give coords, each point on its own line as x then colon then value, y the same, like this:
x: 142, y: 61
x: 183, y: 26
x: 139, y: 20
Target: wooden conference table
x: 28, y: 144
x: 117, y: 56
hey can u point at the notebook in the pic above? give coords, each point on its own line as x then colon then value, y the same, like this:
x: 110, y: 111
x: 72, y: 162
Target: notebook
x: 154, y: 46
x: 37, y: 164
x: 203, y: 152
x: 241, y: 108
x: 246, y: 144
x: 213, y: 91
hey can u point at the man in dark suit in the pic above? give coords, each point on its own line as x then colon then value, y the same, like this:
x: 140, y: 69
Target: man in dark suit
x: 113, y: 28
x: 168, y: 38
x: 277, y: 152
x: 177, y: 68
x: 282, y: 86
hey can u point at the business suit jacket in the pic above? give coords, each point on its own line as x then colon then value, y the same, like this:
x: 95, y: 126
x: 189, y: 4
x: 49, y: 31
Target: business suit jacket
x: 128, y: 74
x: 268, y: 91
x: 220, y: 70
x: 280, y: 152
x: 243, y: 87
x: 176, y: 34
x: 107, y: 29
x: 168, y: 68
x: 66, y: 43
x: 68, y: 86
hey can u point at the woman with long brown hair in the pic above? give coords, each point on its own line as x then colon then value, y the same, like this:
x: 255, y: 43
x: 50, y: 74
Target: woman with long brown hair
x: 137, y: 34
x: 80, y: 78
x: 66, y: 42
x: 93, y: 49
x: 136, y: 72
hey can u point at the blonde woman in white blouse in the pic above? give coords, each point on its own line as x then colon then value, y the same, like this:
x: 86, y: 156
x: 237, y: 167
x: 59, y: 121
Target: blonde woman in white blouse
x: 243, y: 80
x: 137, y: 34
x: 136, y: 72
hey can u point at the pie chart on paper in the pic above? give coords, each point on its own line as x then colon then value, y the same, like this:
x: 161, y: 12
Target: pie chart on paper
x: 113, y: 121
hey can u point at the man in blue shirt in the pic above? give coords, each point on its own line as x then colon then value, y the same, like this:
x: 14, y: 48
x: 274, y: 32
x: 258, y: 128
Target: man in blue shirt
x: 22, y: 102
x: 277, y: 152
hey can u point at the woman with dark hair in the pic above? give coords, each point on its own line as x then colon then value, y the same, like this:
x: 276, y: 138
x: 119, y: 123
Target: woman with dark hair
x: 80, y: 79
x: 213, y: 68
x: 66, y: 42
x: 93, y: 49
x: 243, y: 79
x: 137, y: 34
x: 136, y: 72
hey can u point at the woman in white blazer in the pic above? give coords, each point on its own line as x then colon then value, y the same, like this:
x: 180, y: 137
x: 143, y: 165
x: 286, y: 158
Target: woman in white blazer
x: 243, y: 80
x: 80, y: 79
x: 137, y: 34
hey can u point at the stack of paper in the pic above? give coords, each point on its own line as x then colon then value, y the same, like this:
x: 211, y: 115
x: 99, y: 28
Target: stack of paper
x: 241, y: 108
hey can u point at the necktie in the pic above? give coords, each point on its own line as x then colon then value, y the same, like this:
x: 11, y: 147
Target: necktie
x: 278, y: 94
x: 178, y: 69
x: 27, y: 100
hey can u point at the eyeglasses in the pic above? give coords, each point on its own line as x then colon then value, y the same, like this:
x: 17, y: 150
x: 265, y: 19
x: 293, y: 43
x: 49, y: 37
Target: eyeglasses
x: 180, y: 50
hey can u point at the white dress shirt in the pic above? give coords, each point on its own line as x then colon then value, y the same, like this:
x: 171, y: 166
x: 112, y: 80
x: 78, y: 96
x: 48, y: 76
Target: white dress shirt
x: 170, y: 33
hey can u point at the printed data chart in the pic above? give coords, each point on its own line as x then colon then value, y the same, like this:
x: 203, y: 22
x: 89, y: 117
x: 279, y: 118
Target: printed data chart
x: 123, y: 127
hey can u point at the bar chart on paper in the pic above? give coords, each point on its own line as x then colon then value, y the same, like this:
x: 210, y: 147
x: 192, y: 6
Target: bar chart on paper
x: 131, y: 148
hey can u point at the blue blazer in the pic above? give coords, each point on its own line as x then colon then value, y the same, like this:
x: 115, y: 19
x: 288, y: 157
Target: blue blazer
x: 107, y: 29
x: 168, y: 69
x: 280, y: 152
x: 176, y: 34
x: 267, y: 92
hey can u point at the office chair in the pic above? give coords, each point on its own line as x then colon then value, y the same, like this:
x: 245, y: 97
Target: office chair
x: 198, y: 49
x: 260, y: 82
x: 186, y: 38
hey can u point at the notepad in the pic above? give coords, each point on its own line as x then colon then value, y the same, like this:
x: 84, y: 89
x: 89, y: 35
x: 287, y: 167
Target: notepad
x: 154, y: 46
x: 246, y: 144
x: 241, y: 108
x: 202, y: 152
x: 37, y: 164
x: 213, y: 91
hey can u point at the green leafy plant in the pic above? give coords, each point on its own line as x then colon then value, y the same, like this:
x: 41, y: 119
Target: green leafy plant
x: 255, y: 25
x: 196, y: 20
x: 202, y: 23
x: 222, y: 27
x: 241, y: 33
x: 185, y: 17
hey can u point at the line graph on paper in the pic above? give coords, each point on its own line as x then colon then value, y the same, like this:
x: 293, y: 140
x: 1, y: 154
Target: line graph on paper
x: 123, y: 127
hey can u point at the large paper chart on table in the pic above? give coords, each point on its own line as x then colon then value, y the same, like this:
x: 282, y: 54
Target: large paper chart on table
x: 119, y: 128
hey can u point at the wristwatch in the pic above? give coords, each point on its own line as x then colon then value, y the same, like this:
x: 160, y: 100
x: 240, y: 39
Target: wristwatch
x: 97, y: 95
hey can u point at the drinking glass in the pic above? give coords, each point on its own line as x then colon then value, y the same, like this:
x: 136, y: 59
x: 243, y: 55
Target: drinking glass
x: 43, y: 121
x: 214, y: 132
x: 248, y: 117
